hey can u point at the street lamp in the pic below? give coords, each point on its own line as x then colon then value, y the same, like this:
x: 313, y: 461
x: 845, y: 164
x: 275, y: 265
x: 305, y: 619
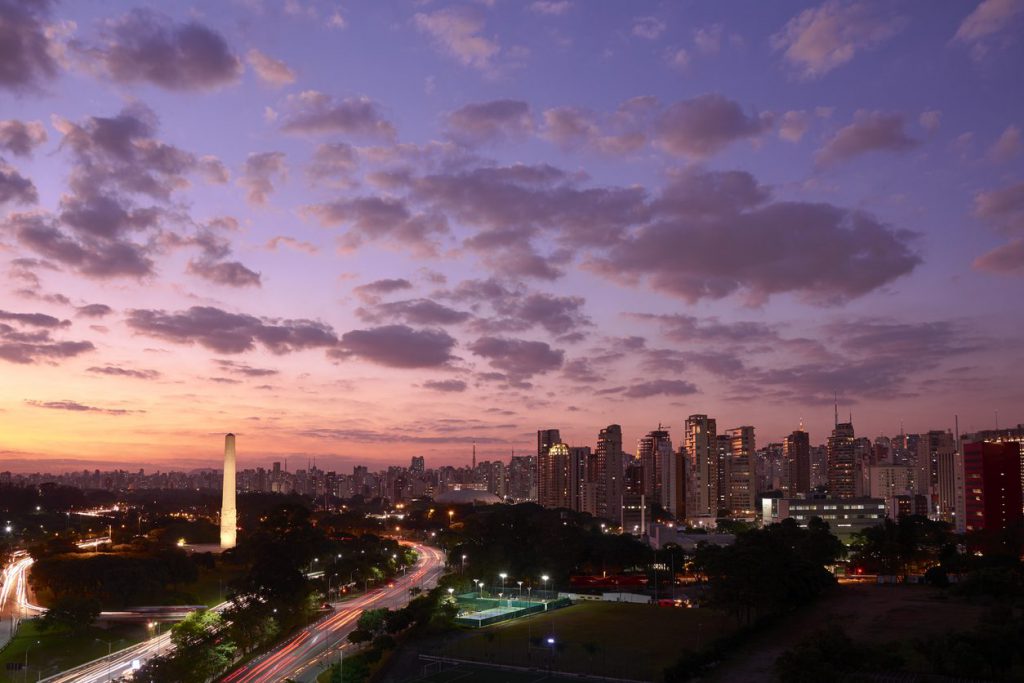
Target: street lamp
x: 503, y: 576
x: 461, y: 571
x: 545, y: 578
x: 520, y: 589
x: 451, y: 513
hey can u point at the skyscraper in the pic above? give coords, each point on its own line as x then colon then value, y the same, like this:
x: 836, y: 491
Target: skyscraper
x: 228, y: 512
x: 741, y: 472
x: 555, y: 480
x: 797, y: 467
x: 652, y: 450
x: 522, y: 478
x: 992, y: 474
x: 932, y: 447
x: 546, y: 438
x: 610, y: 471
x: 841, y: 475
x: 701, y: 449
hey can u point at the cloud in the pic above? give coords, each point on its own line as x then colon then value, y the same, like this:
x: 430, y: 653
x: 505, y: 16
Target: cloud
x: 930, y: 120
x: 18, y: 137
x: 231, y: 332
x: 274, y: 242
x: 15, y: 187
x: 550, y: 7
x: 445, y: 385
x: 822, y: 38
x: 36, y: 344
x: 270, y: 70
x: 708, y: 39
x: 519, y: 358
x: 334, y: 161
x: 1007, y: 147
x: 90, y: 256
x: 230, y: 273
x: 414, y: 311
x: 26, y: 52
x: 457, y: 32
x: 661, y: 387
x: 213, y: 170
x: 371, y: 292
x: 983, y: 29
x: 94, y: 310
x: 315, y: 112
x: 715, y: 234
x: 492, y: 121
x: 706, y: 124
x: 261, y: 171
x: 793, y: 125
x: 871, y: 131
x: 115, y: 371
x: 397, y: 346
x: 376, y: 218
x: 148, y: 47
x: 77, y: 407
x: 34, y: 319
x: 1007, y: 259
x: 244, y: 369
x: 1003, y: 208
x: 648, y: 28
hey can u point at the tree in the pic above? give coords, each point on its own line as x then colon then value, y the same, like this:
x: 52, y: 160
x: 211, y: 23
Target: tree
x: 195, y: 629
x: 76, y: 613
x: 360, y: 635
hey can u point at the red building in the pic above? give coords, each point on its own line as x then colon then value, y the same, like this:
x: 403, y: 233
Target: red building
x: 992, y: 486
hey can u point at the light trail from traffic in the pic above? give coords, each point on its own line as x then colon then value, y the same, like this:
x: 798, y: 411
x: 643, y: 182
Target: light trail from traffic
x: 299, y: 656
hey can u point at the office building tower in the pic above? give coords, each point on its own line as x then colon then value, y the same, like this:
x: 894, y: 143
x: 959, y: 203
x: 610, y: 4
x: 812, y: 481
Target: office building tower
x: 930, y: 447
x: 610, y: 472
x: 652, y: 450
x: 555, y: 481
x: 797, y: 464
x: 522, y: 478
x: 992, y: 488
x: 700, y: 443
x: 741, y: 472
x: 841, y: 458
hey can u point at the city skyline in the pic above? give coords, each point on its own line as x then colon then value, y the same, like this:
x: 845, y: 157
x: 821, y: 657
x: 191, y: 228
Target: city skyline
x: 359, y: 234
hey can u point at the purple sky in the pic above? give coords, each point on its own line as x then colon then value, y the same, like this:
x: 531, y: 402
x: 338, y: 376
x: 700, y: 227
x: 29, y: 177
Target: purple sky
x: 367, y: 230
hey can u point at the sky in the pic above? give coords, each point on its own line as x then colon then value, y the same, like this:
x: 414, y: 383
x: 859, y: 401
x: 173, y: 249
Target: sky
x: 362, y: 231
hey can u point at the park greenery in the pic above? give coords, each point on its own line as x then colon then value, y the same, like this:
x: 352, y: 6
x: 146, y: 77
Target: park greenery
x: 275, y: 594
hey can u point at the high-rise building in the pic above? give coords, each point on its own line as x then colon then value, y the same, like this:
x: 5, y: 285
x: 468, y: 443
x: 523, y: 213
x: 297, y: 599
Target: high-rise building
x: 930, y: 447
x: 950, y: 489
x: 992, y: 474
x: 841, y: 458
x: 673, y: 486
x: 701, y: 450
x: 610, y: 471
x: 721, y: 463
x: 228, y: 511
x: 886, y: 481
x: 582, y: 484
x: 546, y: 438
x: 418, y: 465
x: 1007, y: 435
x: 652, y: 449
x: 522, y: 478
x: 555, y: 481
x: 741, y: 472
x: 797, y: 468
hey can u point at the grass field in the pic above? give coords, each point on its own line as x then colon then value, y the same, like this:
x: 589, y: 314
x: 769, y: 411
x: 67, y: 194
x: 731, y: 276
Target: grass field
x: 53, y: 651
x: 612, y: 639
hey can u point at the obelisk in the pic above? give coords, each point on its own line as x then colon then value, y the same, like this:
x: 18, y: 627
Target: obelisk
x: 228, y: 513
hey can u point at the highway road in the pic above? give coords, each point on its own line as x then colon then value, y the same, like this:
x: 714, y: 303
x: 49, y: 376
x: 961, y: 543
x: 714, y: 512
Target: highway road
x: 306, y: 654
x: 302, y: 657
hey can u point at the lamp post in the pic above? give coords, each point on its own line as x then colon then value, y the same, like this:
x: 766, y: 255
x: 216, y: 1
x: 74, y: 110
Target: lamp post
x: 503, y: 576
x: 451, y: 513
x: 27, y: 650
x: 520, y: 589
x: 463, y: 570
x: 545, y: 578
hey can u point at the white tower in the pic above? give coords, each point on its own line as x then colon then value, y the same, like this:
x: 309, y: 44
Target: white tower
x: 228, y: 513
